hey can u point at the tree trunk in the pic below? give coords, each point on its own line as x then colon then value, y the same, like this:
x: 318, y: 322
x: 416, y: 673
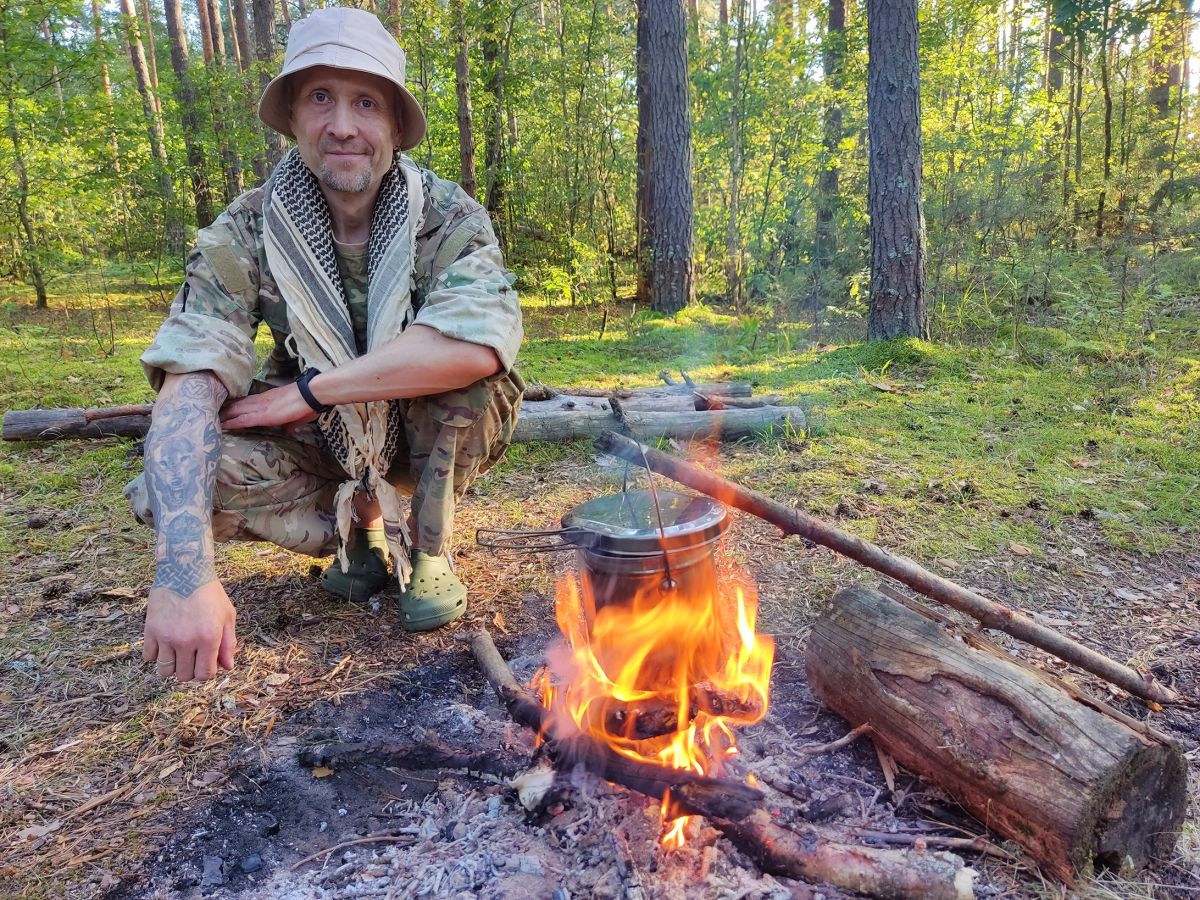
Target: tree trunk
x: 1107, y: 52
x: 1080, y: 786
x: 264, y: 52
x: 54, y: 73
x: 495, y: 56
x: 231, y: 164
x: 235, y: 43
x: 834, y: 55
x: 206, y: 40
x: 154, y: 129
x: 287, y: 13
x: 218, y: 31
x: 733, y: 235
x: 151, y: 56
x: 645, y: 158
x: 14, y: 136
x: 241, y: 27
x: 392, y: 14
x: 672, y: 266
x: 462, y: 82
x: 897, y: 291
x: 185, y: 97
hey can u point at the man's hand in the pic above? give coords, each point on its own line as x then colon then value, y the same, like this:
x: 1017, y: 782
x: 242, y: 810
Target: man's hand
x: 188, y: 637
x: 278, y: 406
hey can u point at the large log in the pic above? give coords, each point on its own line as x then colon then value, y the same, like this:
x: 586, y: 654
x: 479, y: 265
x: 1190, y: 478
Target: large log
x: 1080, y: 786
x: 792, y: 521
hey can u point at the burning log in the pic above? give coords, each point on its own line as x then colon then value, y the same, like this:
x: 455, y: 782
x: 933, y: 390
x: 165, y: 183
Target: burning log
x: 652, y: 718
x: 793, y: 521
x: 1079, y: 785
x: 690, y: 794
x: 732, y: 807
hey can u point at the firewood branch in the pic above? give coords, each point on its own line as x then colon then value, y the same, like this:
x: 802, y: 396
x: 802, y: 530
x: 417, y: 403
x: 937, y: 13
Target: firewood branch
x: 793, y: 521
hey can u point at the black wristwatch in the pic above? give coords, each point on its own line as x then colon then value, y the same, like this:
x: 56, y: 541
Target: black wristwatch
x: 306, y: 392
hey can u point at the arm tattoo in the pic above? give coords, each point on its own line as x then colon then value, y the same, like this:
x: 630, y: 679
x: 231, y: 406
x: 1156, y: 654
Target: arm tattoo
x: 183, y: 450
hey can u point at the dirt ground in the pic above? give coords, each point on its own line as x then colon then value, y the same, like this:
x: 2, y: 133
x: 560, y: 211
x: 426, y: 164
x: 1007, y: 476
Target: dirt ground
x: 199, y: 791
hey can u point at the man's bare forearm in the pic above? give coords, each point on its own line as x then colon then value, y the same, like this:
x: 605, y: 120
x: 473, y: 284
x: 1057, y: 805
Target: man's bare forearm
x: 183, y: 449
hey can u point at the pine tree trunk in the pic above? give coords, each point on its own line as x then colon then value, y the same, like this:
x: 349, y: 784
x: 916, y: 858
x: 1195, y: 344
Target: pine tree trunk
x: 241, y: 27
x: 897, y: 290
x: 235, y: 44
x: 462, y: 83
x: 645, y: 158
x: 218, y: 31
x: 154, y: 130
x: 54, y: 74
x: 1106, y: 53
x: 151, y: 56
x: 394, y: 18
x: 206, y: 40
x: 733, y: 236
x: 231, y: 163
x: 672, y: 266
x: 14, y: 136
x: 264, y: 51
x: 185, y: 97
x: 495, y: 56
x: 828, y: 188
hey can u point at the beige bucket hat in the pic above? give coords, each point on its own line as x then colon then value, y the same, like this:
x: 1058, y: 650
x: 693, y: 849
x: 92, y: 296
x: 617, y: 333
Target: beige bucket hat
x: 344, y: 38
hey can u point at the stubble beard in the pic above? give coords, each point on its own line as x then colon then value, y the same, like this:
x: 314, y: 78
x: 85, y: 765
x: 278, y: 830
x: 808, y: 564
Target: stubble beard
x: 348, y: 183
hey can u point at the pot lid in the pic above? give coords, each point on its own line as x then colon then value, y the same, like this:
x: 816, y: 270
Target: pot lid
x: 628, y: 522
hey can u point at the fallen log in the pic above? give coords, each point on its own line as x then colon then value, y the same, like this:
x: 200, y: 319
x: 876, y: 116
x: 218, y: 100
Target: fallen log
x: 1080, y: 786
x: 560, y: 416
x: 792, y: 521
x: 810, y: 854
x: 730, y: 424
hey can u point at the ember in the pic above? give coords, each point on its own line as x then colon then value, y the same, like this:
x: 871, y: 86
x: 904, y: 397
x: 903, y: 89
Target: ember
x: 678, y: 648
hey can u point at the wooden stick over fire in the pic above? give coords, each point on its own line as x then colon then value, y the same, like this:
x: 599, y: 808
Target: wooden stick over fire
x: 793, y: 521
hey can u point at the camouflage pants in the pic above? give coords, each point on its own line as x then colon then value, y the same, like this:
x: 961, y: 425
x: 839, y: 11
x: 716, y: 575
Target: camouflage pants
x: 280, y: 488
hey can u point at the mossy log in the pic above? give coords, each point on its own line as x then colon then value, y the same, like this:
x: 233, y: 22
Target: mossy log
x: 1082, y: 787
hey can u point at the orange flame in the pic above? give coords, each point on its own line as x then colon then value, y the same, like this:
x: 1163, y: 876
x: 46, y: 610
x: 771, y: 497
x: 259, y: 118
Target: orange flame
x: 663, y: 676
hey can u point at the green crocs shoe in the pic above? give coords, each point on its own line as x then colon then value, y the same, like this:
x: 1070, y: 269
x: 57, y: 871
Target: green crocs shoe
x: 368, y: 569
x: 434, y: 596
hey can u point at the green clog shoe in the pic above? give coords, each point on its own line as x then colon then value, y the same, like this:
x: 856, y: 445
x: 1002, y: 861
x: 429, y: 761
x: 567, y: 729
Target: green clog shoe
x: 366, y: 574
x: 434, y: 596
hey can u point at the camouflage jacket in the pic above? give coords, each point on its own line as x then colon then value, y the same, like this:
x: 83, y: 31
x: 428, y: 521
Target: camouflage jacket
x: 460, y: 288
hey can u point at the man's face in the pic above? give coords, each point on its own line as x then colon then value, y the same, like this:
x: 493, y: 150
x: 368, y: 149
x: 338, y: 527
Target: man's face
x: 345, y: 126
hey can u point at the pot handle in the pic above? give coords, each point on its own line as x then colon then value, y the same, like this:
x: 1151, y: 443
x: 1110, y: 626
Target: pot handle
x: 548, y: 541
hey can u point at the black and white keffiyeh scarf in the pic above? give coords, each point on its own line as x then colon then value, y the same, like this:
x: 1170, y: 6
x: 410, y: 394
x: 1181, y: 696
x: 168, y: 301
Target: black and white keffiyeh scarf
x: 298, y: 236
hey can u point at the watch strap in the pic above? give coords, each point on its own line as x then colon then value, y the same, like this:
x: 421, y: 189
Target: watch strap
x: 306, y: 392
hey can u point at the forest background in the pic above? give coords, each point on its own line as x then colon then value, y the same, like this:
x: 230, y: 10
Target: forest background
x: 1061, y: 166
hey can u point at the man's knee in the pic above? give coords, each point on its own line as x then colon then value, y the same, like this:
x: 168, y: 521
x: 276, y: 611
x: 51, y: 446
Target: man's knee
x: 485, y: 414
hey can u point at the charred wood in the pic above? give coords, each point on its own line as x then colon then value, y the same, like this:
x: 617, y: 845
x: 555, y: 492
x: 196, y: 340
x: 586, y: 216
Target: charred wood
x: 690, y: 794
x: 807, y: 853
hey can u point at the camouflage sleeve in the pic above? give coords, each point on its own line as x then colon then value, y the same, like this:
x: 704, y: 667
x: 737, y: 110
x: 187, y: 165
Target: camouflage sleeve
x: 462, y: 288
x: 215, y: 315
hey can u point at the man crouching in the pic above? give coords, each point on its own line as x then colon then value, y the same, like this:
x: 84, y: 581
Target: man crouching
x: 395, y: 328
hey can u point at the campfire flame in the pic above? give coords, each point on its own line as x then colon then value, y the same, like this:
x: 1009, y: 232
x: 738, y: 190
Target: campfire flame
x: 663, y: 676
